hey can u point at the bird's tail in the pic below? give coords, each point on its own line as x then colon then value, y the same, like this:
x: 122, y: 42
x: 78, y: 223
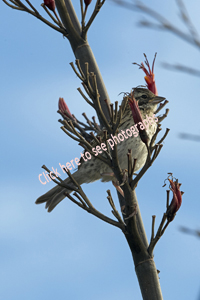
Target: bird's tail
x: 56, y: 194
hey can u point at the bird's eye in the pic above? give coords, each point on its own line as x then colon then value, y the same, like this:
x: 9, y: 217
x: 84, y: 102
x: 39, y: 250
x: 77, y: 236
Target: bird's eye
x: 144, y: 96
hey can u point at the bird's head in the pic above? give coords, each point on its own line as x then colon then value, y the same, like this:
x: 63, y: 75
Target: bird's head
x: 141, y: 99
x: 145, y: 97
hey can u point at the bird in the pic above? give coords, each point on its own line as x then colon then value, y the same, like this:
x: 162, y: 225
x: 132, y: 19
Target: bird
x: 95, y: 169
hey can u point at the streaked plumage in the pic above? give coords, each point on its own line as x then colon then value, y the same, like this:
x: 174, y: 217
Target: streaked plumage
x: 92, y: 169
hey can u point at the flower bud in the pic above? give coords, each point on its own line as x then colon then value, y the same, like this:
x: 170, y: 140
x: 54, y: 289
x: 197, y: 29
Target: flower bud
x: 63, y: 108
x: 50, y: 4
x: 87, y: 2
x: 176, y: 200
x: 137, y: 117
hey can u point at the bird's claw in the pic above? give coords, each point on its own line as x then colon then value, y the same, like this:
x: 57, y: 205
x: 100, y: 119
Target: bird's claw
x: 125, y: 177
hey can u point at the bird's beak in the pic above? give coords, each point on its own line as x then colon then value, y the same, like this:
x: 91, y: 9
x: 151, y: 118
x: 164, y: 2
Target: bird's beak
x: 156, y: 99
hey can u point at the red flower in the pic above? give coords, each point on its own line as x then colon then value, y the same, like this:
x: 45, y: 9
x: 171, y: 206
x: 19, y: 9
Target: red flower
x: 50, y: 4
x: 176, y: 200
x: 63, y: 108
x: 149, y: 78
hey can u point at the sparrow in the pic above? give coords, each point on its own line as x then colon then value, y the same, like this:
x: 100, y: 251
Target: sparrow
x: 95, y: 169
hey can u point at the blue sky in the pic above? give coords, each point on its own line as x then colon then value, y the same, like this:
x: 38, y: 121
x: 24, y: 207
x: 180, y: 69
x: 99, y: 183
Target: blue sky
x: 69, y: 253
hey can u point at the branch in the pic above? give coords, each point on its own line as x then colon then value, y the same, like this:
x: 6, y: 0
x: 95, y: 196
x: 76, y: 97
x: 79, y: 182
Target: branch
x: 182, y: 68
x: 190, y: 231
x: 82, y: 127
x: 187, y: 21
x: 20, y: 6
x: 191, y: 137
x: 163, y: 23
x: 160, y: 232
x: 161, y: 105
x: 84, y: 202
x: 70, y: 130
x: 161, y: 118
x: 153, y: 152
x: 170, y: 213
x: 90, y: 85
x: 58, y: 22
x: 114, y: 211
x: 99, y: 4
x: 86, y: 77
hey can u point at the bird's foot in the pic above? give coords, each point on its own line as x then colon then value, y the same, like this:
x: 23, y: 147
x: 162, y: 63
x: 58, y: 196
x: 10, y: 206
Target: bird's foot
x: 117, y: 186
x: 125, y: 177
x: 116, y: 182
